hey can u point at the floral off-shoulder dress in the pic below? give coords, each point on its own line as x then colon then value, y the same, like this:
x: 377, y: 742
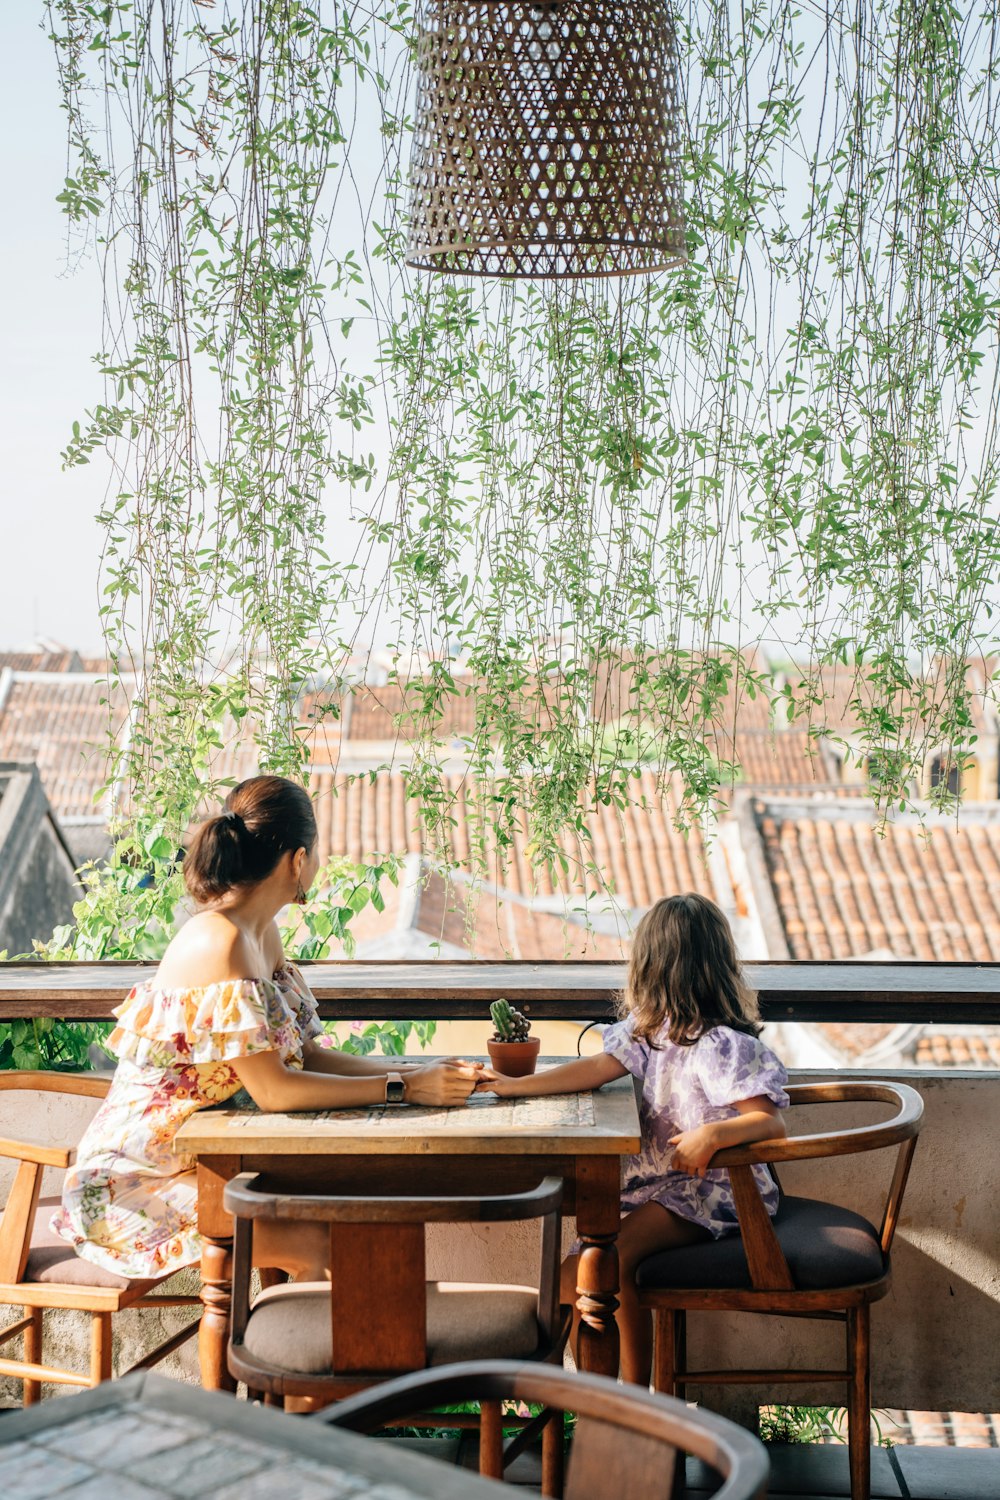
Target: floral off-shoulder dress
x: 130, y: 1202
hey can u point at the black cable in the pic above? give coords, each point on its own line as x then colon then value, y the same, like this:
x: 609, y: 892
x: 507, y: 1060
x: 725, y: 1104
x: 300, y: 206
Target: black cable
x: 583, y: 1033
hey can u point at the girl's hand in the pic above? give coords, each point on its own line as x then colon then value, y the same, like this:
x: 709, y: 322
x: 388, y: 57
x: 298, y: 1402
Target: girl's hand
x: 444, y: 1083
x: 693, y: 1150
x: 499, y: 1084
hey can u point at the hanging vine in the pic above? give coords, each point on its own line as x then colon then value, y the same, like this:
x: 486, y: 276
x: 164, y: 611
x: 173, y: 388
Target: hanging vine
x: 590, y: 497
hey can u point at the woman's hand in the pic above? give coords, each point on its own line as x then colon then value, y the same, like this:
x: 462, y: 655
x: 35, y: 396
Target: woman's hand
x: 693, y: 1150
x: 447, y: 1082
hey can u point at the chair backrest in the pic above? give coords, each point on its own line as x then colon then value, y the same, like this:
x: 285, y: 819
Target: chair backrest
x: 624, y: 1442
x: 22, y: 1200
x: 379, y: 1243
x: 768, y: 1267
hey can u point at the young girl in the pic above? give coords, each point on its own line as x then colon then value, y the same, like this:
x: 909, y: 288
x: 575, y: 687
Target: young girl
x: 690, y: 1035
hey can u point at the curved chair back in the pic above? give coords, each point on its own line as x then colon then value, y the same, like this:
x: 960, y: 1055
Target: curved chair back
x: 625, y: 1440
x: 382, y: 1241
x: 901, y: 1130
x: 98, y: 1294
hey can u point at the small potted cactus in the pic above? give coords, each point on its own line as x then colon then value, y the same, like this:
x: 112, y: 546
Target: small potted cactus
x: 512, y: 1051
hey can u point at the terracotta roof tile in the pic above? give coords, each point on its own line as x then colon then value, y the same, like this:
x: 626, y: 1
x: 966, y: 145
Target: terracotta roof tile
x: 54, y: 659
x: 743, y: 704
x: 494, y: 928
x: 638, y: 853
x: 842, y: 891
x: 61, y: 722
x: 846, y: 689
x: 954, y: 1050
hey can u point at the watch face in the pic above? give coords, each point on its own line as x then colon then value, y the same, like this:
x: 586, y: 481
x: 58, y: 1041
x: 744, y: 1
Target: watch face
x: 395, y: 1091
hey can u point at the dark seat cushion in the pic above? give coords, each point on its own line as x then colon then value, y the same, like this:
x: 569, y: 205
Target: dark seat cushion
x: 50, y: 1259
x: 825, y: 1246
x: 289, y: 1329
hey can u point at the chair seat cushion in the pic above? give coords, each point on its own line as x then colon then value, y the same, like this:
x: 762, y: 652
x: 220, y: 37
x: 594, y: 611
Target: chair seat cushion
x: 50, y: 1259
x: 825, y: 1246
x: 290, y: 1327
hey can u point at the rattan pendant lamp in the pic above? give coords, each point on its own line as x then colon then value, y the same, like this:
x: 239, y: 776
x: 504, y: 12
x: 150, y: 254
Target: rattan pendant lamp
x: 547, y: 138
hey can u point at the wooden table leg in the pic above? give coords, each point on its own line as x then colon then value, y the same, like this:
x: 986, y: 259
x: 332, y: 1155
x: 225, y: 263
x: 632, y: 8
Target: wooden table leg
x: 598, y: 1215
x: 215, y: 1228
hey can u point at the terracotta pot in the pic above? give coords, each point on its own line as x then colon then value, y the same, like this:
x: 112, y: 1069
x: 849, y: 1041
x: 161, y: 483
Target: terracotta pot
x: 514, y: 1059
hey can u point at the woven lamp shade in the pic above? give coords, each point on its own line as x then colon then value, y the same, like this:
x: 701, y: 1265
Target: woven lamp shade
x: 547, y: 139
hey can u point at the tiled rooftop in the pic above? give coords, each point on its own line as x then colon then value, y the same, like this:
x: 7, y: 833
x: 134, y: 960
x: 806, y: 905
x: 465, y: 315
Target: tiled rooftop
x: 744, y: 703
x: 954, y: 1049
x: 639, y: 851
x: 45, y: 659
x: 846, y: 688
x: 785, y: 758
x: 842, y: 890
x: 60, y: 721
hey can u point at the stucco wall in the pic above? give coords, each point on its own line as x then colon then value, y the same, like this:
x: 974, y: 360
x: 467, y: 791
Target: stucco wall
x: 935, y: 1337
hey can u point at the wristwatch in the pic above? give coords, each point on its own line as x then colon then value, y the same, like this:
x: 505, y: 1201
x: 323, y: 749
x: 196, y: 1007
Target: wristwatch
x: 395, y: 1089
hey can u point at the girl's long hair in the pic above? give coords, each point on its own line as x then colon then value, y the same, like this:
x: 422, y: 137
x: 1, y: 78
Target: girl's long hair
x: 683, y: 974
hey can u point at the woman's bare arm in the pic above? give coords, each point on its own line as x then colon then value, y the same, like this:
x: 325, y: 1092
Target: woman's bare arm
x: 319, y: 1059
x: 273, y: 1086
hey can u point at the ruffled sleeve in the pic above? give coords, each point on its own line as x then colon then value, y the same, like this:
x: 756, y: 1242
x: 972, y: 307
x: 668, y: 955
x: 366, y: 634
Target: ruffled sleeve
x: 620, y: 1043
x: 213, y: 1023
x: 732, y: 1066
x: 302, y: 1000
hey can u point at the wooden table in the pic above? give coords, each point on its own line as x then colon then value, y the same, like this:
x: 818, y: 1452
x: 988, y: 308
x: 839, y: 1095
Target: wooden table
x: 489, y: 1145
x: 146, y: 1438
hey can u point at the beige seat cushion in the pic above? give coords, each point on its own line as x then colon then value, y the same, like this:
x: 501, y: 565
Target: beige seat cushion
x: 51, y: 1259
x: 290, y: 1326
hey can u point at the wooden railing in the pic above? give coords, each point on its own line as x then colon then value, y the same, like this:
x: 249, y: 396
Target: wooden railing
x: 581, y: 991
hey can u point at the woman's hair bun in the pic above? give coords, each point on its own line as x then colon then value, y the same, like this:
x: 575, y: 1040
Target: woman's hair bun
x: 263, y: 818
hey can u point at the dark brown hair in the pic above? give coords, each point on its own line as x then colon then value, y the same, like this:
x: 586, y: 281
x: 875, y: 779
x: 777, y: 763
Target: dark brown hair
x: 261, y: 819
x: 683, y: 973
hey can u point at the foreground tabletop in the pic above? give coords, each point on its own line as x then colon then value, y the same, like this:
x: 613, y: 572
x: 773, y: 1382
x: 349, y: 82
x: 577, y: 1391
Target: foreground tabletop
x: 143, y: 1438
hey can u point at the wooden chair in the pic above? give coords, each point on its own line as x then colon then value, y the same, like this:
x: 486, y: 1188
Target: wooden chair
x: 812, y: 1260
x: 624, y: 1443
x: 384, y: 1317
x: 39, y: 1271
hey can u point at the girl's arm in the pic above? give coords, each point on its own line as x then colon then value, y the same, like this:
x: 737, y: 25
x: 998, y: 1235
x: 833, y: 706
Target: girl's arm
x: 756, y: 1120
x: 567, y: 1078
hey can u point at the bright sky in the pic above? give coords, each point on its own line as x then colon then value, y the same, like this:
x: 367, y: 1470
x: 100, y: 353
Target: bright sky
x: 50, y: 325
x: 50, y: 321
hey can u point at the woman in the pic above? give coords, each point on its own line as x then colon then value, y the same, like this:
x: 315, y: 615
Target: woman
x: 223, y: 1009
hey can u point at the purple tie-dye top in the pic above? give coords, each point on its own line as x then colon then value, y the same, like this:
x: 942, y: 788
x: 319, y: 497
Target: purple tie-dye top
x: 682, y: 1088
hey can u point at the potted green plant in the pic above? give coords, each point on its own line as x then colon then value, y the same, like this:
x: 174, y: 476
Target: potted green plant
x: 512, y: 1051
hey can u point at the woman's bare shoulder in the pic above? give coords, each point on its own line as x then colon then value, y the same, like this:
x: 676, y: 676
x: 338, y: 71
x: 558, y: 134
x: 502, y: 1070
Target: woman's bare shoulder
x: 209, y: 949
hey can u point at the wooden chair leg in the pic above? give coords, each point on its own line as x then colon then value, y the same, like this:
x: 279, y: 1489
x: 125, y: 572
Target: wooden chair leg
x: 680, y: 1352
x: 100, y: 1347
x: 552, y: 1456
x: 663, y: 1351
x: 859, y: 1404
x: 33, y: 1354
x: 491, y: 1439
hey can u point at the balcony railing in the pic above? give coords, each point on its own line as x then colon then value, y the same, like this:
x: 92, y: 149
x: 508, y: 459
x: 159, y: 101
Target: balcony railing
x: 366, y: 989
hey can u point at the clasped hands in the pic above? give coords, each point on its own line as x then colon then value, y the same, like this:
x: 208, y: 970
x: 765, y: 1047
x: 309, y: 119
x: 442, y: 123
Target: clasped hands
x: 447, y: 1081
